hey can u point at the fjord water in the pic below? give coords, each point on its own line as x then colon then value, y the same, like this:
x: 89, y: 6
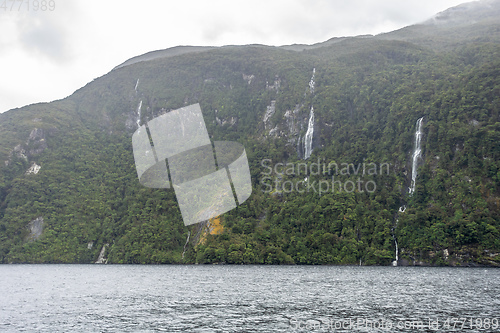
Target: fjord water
x: 129, y: 298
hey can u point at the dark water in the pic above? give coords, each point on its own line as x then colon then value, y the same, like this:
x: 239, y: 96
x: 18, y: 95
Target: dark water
x: 94, y: 298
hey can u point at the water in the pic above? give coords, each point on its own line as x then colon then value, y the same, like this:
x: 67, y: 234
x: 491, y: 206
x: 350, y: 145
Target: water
x: 309, y: 136
x: 312, y: 82
x: 417, y: 153
x: 395, y: 262
x: 139, y: 107
x: 402, y: 209
x: 129, y: 298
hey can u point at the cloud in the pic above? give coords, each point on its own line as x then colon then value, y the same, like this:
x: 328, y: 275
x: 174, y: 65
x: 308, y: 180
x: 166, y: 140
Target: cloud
x: 44, y: 37
x: 41, y: 34
x: 51, y: 54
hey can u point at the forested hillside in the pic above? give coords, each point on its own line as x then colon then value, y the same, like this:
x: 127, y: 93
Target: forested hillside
x: 346, y: 109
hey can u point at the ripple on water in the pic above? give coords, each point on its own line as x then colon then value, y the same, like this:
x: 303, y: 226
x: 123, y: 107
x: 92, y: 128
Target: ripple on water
x: 62, y: 298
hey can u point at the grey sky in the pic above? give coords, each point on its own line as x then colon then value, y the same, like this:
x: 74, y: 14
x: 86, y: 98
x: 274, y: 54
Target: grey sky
x: 47, y: 55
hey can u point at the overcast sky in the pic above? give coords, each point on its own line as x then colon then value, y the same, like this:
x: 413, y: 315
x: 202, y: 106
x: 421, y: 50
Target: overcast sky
x: 47, y: 55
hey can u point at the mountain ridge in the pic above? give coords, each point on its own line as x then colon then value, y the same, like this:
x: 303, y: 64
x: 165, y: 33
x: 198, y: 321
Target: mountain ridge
x: 475, y: 11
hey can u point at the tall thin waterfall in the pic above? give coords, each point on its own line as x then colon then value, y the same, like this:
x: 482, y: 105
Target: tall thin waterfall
x: 136, y: 85
x: 138, y: 121
x: 312, y: 83
x: 395, y: 262
x: 309, y: 136
x: 187, y: 241
x: 393, y: 232
x: 417, y: 153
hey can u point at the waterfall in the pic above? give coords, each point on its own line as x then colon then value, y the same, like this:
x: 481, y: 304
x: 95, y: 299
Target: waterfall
x: 138, y: 121
x: 136, y: 85
x: 311, y: 83
x: 187, y: 241
x: 417, y: 153
x: 402, y: 209
x: 395, y: 262
x: 309, y: 136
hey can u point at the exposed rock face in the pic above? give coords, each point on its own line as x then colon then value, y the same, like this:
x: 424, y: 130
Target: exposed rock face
x: 297, y: 126
x: 35, y: 145
x: 290, y: 126
x: 231, y: 121
x: 291, y: 120
x: 19, y: 152
x: 33, y: 169
x: 269, y: 113
x: 248, y: 78
x: 36, y: 142
x: 275, y: 86
x: 36, y: 228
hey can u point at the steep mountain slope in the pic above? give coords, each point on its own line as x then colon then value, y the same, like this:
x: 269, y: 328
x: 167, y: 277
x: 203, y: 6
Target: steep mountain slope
x: 69, y: 190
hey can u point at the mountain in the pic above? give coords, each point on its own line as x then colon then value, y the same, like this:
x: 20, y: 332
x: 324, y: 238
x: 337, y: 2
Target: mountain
x: 365, y: 150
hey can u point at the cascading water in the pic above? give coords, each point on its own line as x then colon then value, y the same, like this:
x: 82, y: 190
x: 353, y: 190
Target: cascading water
x: 138, y: 121
x: 309, y: 136
x: 401, y: 210
x: 187, y: 241
x: 417, y: 153
x: 136, y: 85
x: 395, y: 262
x: 312, y: 83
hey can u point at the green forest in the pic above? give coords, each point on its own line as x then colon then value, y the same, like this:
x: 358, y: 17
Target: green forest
x: 368, y: 95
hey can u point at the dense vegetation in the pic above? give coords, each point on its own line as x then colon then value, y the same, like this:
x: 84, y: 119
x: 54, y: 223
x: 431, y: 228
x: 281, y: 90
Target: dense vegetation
x: 368, y: 95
